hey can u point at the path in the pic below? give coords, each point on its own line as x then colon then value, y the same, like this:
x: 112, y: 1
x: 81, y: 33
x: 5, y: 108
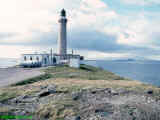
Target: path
x: 13, y: 75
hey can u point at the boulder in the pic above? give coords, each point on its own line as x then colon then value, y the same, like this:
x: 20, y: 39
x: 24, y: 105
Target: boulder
x: 76, y: 95
x: 106, y: 90
x: 73, y: 118
x: 51, y: 89
x: 150, y: 92
x: 114, y: 92
x: 19, y: 99
x: 78, y: 118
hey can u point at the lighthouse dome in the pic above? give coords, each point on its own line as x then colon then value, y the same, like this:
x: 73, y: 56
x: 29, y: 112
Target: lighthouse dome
x: 63, y: 13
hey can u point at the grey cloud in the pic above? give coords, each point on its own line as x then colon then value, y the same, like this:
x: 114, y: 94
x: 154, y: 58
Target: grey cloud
x: 39, y: 39
x: 45, y: 39
x: 97, y: 41
x: 86, y: 39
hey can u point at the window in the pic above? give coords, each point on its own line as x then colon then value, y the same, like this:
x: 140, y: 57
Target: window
x: 45, y: 60
x: 54, y: 60
x: 37, y: 58
x: 25, y: 58
x: 31, y: 58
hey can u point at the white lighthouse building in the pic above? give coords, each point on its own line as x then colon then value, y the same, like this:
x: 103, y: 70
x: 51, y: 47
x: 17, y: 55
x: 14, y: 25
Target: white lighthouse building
x: 47, y: 59
x: 62, y: 37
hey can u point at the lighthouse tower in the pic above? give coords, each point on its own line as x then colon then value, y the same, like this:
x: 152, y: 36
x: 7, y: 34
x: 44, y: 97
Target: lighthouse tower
x: 62, y: 37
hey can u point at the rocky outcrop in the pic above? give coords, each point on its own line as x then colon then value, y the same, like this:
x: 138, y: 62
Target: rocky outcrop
x: 47, y: 90
x: 85, y: 104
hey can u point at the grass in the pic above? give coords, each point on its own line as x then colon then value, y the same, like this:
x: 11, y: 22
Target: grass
x: 4, y: 110
x: 32, y: 80
x: 147, y: 112
x: 84, y: 72
x: 57, y: 110
x: 7, y: 95
x: 70, y: 79
x: 73, y: 79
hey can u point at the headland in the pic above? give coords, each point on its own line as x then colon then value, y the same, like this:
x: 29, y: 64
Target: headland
x: 87, y: 93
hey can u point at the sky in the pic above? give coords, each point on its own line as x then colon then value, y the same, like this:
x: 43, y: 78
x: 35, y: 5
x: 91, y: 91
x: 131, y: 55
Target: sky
x: 97, y: 29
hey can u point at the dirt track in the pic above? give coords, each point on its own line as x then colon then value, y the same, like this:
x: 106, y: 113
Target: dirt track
x: 13, y: 75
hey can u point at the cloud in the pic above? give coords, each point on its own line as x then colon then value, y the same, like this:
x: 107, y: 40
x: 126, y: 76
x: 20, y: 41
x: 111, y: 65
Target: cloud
x: 24, y: 17
x: 141, y: 2
x: 32, y: 21
x: 93, y: 40
x: 90, y: 4
x: 103, y: 55
x: 92, y: 26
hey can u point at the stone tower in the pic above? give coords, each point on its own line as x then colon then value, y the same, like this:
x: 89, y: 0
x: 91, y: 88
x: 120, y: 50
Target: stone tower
x: 62, y: 37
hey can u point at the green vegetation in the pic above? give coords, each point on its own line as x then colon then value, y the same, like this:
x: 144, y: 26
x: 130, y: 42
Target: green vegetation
x: 57, y: 110
x: 85, y: 72
x: 33, y: 80
x: 4, y: 96
x: 69, y: 82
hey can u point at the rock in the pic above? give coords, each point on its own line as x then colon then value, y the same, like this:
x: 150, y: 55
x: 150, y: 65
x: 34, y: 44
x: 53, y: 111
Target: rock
x: 93, y: 92
x: 106, y: 90
x: 78, y: 118
x: 19, y: 99
x: 76, y: 95
x: 1, y: 104
x: 150, y: 92
x: 113, y: 92
x: 43, y: 87
x: 123, y: 91
x: 52, y: 89
x: 94, y: 117
x: 73, y: 118
x: 23, y: 100
x: 43, y: 93
x: 20, y: 112
x: 109, y: 91
x: 47, y: 91
x: 99, y: 110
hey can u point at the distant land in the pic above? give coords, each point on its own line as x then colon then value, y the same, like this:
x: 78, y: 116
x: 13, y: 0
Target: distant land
x: 9, y: 62
x: 123, y: 59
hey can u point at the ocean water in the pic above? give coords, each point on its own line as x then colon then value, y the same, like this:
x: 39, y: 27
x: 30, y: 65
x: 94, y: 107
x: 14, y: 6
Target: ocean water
x: 144, y: 71
x: 8, y: 62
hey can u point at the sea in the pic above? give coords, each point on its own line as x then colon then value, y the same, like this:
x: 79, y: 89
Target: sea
x: 146, y: 71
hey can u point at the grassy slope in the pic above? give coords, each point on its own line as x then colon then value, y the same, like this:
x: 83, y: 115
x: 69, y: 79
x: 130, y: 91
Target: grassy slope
x: 85, y: 72
x: 86, y: 76
x: 70, y: 79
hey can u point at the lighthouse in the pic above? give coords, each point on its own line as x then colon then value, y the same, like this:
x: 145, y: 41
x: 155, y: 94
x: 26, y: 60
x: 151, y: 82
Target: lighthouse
x: 62, y: 36
x: 62, y: 57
